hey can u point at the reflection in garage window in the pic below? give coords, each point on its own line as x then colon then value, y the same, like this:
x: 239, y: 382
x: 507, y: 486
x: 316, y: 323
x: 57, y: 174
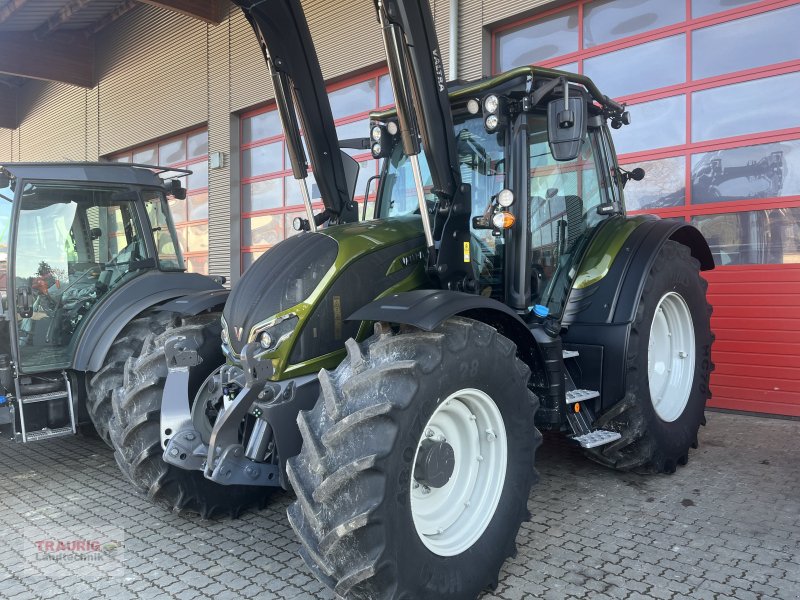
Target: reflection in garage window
x: 753, y: 237
x: 749, y: 172
x: 663, y: 186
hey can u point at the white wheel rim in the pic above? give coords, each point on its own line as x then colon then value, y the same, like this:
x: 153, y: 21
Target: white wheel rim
x: 450, y: 519
x: 671, y: 356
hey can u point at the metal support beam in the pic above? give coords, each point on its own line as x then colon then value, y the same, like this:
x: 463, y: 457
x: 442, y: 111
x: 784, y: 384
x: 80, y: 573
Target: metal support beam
x: 61, y: 57
x: 209, y: 11
x: 8, y: 108
x: 10, y: 8
x: 59, y: 18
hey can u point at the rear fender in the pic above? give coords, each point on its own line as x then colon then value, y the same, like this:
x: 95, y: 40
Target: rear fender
x: 598, y: 317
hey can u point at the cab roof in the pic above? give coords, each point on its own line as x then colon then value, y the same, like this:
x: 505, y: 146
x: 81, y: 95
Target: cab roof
x: 95, y: 172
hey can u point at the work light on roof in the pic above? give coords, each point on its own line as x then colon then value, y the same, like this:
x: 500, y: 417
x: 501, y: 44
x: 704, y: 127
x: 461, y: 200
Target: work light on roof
x: 490, y: 103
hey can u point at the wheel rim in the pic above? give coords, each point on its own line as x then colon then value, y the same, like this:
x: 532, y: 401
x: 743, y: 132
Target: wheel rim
x: 451, y: 518
x: 671, y: 357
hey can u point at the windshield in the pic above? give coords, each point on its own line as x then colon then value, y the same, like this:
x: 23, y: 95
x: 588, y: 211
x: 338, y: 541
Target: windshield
x: 563, y: 197
x: 481, y: 161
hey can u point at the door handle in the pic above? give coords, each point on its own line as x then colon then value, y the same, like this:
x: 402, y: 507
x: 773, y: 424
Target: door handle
x: 24, y: 302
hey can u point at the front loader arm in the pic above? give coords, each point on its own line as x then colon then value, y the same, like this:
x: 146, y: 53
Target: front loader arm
x: 302, y: 100
x: 423, y: 110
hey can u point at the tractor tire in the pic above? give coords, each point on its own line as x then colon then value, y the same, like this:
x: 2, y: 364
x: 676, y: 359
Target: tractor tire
x: 668, y: 370
x: 363, y: 517
x: 135, y: 429
x: 101, y: 385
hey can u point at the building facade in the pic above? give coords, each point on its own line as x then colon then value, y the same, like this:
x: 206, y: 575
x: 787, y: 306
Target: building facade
x: 711, y: 86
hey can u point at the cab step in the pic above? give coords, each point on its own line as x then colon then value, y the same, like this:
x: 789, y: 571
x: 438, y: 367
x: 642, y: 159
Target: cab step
x: 574, y: 396
x: 45, y: 434
x: 44, y: 397
x: 596, y: 438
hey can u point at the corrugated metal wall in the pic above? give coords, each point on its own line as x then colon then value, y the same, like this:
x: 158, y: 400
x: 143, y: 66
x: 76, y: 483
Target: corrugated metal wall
x: 249, y: 81
x: 220, y: 204
x: 53, y: 125
x: 152, y: 69
x: 6, y: 144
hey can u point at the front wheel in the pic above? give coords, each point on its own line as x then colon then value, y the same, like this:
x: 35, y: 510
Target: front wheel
x: 136, y: 434
x: 668, y: 370
x: 416, y: 465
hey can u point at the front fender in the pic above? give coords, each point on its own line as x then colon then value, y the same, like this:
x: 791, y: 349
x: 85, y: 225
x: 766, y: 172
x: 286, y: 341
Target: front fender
x: 122, y: 305
x: 427, y: 309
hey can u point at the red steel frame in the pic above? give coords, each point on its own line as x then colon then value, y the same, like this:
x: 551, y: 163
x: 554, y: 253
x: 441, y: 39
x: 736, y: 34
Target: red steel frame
x: 736, y: 385
x: 184, y: 224
x: 286, y: 171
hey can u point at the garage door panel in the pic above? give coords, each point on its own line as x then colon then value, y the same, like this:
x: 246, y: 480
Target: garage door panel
x: 771, y: 322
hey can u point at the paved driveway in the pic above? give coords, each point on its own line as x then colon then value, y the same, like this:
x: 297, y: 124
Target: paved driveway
x: 725, y: 526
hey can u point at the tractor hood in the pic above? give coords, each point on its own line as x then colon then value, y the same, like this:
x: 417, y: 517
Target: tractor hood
x: 284, y: 286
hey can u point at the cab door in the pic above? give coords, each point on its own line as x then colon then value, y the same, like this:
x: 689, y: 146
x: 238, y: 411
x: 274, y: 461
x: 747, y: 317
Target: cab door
x: 73, y: 244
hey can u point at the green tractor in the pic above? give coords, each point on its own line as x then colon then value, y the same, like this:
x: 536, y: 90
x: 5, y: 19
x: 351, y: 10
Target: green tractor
x: 90, y: 257
x: 396, y: 373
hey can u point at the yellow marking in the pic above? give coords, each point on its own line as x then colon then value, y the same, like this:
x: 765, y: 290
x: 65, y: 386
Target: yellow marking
x: 466, y: 251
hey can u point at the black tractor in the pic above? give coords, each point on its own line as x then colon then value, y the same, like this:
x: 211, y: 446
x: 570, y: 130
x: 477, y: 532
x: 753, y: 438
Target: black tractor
x: 90, y: 261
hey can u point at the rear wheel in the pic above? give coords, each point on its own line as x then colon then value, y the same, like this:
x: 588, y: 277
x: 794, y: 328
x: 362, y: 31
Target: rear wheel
x: 136, y: 435
x: 668, y: 370
x: 416, y: 465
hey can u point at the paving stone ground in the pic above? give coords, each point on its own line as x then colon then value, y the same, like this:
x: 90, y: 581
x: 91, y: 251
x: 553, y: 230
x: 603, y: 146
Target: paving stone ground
x: 725, y: 526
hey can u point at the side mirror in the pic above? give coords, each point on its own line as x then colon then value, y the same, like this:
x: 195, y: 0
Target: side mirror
x: 566, y: 126
x: 5, y: 179
x: 636, y: 174
x: 174, y: 189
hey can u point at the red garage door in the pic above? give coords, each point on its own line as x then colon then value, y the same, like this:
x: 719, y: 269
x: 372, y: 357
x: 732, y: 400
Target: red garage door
x: 757, y: 351
x: 712, y: 88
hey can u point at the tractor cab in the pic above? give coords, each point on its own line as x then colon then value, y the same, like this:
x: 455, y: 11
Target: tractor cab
x: 73, y: 235
x: 533, y: 210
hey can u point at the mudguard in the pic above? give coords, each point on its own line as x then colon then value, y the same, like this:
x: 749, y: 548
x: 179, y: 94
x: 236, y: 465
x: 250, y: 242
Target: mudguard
x: 196, y: 303
x: 427, y: 309
x: 124, y: 304
x: 598, y: 317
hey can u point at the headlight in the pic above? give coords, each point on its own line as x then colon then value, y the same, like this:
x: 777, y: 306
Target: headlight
x: 265, y: 339
x: 492, y: 122
x: 392, y: 128
x: 505, y: 198
x: 376, y: 150
x: 377, y: 133
x: 491, y: 103
x: 473, y: 106
x: 272, y: 334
